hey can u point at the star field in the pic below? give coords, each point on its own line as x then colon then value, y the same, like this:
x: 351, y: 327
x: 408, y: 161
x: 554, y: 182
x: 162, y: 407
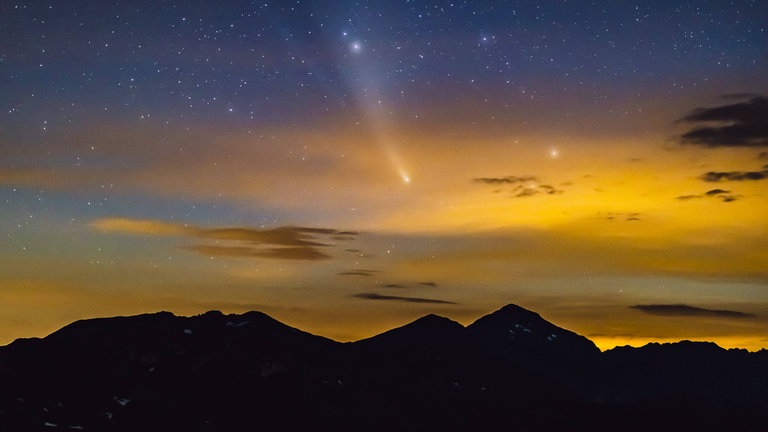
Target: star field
x: 255, y: 63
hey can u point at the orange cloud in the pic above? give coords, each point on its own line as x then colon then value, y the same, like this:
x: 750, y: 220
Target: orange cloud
x: 290, y: 253
x: 288, y: 242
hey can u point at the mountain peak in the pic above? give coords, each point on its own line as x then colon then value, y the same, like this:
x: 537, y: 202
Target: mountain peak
x: 517, y: 310
x: 512, y: 330
x: 511, y: 316
x: 425, y: 330
x: 435, y: 320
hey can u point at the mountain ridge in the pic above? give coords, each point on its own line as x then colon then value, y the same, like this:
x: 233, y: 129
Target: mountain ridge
x: 215, y: 372
x: 164, y: 313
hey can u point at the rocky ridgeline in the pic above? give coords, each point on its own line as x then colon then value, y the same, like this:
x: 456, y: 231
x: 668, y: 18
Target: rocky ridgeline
x: 511, y: 369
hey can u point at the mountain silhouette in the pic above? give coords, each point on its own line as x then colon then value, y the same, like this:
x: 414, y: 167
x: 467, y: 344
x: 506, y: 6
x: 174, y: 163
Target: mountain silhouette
x: 513, y: 332
x: 510, y: 369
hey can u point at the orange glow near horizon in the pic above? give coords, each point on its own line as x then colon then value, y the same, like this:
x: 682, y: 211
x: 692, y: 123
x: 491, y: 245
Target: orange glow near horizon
x: 477, y: 231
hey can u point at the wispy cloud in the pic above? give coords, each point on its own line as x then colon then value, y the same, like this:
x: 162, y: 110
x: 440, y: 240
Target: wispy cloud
x: 284, y: 236
x: 375, y: 296
x: 522, y: 186
x: 742, y: 124
x: 505, y: 180
x: 288, y: 253
x: 622, y: 216
x: 685, y: 310
x: 288, y: 242
x: 720, y: 176
x: 724, y: 195
x: 358, y: 272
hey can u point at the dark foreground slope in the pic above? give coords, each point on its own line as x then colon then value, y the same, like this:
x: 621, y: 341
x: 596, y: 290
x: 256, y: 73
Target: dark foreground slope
x: 510, y: 369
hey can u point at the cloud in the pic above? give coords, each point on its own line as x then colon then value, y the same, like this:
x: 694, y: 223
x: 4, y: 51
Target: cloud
x: 724, y: 195
x: 359, y: 272
x: 505, y: 180
x: 284, y: 236
x: 430, y: 284
x: 719, y: 176
x: 688, y: 311
x: 524, y: 186
x: 625, y: 216
x: 374, y: 296
x: 715, y: 192
x: 287, y: 253
x: 287, y: 242
x: 741, y: 124
x: 549, y: 189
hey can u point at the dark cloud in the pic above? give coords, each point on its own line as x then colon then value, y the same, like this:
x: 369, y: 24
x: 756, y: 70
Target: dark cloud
x: 286, y: 243
x: 375, y: 296
x: 724, y: 195
x: 393, y: 285
x: 716, y: 192
x: 283, y: 236
x: 720, y: 176
x: 286, y: 253
x: 359, y: 272
x: 550, y: 190
x: 762, y: 155
x: 688, y: 311
x: 527, y: 191
x: 741, y: 124
x: 688, y: 197
x: 622, y: 216
x: 524, y: 186
x: 430, y: 284
x: 505, y: 180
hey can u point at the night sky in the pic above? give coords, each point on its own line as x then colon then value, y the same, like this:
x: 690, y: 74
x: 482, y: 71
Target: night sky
x: 349, y: 166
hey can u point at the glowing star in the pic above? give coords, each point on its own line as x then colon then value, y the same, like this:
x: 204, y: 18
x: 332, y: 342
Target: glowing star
x: 356, y: 47
x: 554, y: 153
x: 406, y: 178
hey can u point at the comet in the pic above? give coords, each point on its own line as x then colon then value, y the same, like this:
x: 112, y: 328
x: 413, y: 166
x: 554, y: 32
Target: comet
x: 363, y: 76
